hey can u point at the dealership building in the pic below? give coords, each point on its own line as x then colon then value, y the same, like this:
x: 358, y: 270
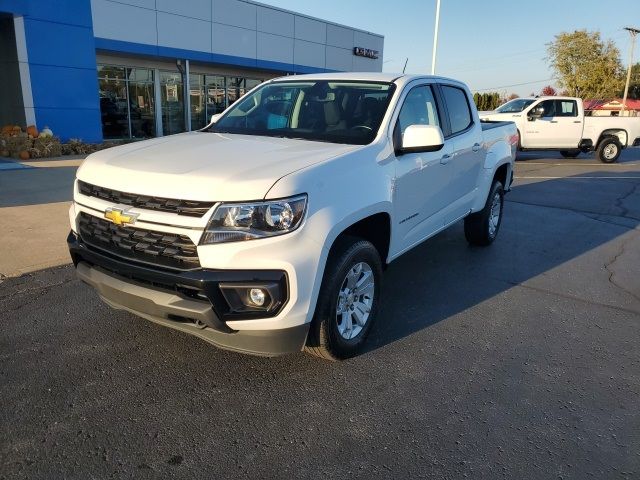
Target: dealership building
x: 103, y: 69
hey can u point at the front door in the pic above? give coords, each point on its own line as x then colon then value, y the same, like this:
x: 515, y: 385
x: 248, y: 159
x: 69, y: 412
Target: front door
x: 421, y: 178
x: 559, y: 127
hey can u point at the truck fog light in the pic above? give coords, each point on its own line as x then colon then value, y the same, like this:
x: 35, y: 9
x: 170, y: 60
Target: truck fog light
x: 257, y: 296
x: 253, y: 297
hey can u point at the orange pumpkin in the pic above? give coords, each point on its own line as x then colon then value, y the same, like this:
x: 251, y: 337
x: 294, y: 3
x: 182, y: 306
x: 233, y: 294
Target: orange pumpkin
x: 33, y: 131
x: 24, y: 155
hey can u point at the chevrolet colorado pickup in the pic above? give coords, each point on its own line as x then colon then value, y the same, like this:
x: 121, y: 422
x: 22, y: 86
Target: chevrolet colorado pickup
x: 267, y: 231
x: 559, y: 123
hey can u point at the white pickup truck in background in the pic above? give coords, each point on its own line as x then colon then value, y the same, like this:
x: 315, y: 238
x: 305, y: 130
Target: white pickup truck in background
x: 267, y: 231
x: 559, y: 123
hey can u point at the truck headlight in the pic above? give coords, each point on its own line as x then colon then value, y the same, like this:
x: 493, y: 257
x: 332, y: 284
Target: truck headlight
x: 233, y: 222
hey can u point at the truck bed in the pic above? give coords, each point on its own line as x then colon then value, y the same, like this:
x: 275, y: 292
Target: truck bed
x: 489, y: 124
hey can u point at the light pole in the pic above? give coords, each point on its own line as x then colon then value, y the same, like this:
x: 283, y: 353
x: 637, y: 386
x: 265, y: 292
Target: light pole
x: 435, y: 39
x: 633, y: 32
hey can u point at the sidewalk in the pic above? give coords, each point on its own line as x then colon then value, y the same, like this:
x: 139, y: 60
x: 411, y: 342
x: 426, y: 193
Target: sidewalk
x: 34, y: 202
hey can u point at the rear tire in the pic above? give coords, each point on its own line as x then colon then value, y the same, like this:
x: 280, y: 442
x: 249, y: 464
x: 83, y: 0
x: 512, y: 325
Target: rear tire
x: 570, y: 153
x: 348, y: 300
x: 609, y: 149
x: 481, y: 228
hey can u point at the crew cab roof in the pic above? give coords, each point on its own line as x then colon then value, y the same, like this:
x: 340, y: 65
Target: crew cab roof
x: 546, y: 97
x: 365, y: 77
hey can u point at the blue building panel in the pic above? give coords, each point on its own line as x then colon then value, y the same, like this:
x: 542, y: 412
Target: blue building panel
x: 69, y: 12
x: 59, y: 87
x: 71, y: 122
x: 16, y: 7
x: 50, y: 43
x: 62, y: 67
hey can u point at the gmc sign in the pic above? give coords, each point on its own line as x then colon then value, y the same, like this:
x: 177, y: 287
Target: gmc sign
x: 365, y: 52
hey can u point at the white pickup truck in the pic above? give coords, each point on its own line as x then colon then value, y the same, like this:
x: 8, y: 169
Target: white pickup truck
x: 559, y: 123
x: 267, y: 232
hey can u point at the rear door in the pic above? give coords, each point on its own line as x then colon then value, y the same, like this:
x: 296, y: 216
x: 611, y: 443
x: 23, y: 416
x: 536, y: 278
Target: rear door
x: 559, y: 127
x: 469, y: 153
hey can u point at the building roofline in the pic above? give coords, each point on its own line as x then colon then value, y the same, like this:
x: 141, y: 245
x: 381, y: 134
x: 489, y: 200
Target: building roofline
x: 293, y: 12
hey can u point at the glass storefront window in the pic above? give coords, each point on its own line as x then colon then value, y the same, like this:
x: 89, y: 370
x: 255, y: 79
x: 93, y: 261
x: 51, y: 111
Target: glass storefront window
x: 111, y: 72
x: 114, y: 112
x: 127, y: 102
x: 141, y: 102
x: 235, y: 89
x: 216, y: 98
x: 252, y: 83
x: 197, y: 101
x: 172, y: 106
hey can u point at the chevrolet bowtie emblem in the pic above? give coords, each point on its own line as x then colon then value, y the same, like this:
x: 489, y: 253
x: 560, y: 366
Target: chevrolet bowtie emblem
x: 120, y: 216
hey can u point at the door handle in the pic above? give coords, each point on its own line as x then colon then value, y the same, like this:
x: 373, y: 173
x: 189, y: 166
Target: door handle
x: 554, y: 121
x: 445, y: 159
x: 577, y: 121
x: 476, y: 147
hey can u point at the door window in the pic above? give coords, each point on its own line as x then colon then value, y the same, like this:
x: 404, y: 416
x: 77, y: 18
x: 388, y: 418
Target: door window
x: 549, y: 107
x: 559, y: 108
x: 419, y: 108
x: 457, y: 108
x: 566, y: 108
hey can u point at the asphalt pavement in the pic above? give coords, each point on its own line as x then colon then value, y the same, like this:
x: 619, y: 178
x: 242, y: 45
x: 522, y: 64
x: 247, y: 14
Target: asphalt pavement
x: 516, y: 361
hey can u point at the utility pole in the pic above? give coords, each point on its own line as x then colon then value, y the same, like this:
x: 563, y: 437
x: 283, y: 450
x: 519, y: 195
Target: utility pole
x: 633, y: 32
x: 435, y: 39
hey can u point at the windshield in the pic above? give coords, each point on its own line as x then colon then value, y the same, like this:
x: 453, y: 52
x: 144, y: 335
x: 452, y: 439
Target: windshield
x: 515, y: 106
x: 327, y: 111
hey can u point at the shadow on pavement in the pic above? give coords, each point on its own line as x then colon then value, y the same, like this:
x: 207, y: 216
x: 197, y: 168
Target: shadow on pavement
x: 628, y: 155
x: 445, y: 276
x: 34, y: 186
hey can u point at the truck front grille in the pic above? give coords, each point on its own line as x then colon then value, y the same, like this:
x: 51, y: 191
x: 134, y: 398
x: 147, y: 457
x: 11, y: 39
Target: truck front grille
x: 137, y: 244
x: 190, y: 208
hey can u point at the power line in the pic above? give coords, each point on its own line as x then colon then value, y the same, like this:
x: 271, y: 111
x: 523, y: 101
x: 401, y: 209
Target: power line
x: 512, y: 85
x: 611, y: 34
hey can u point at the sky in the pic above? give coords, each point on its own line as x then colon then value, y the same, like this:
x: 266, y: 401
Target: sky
x: 492, y: 45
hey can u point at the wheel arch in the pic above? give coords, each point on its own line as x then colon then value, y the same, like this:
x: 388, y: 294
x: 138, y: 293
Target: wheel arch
x: 503, y: 174
x: 620, y: 133
x: 374, y: 227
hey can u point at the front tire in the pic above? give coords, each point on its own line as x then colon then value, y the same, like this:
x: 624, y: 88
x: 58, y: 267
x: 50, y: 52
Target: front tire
x: 348, y: 301
x: 609, y: 150
x: 570, y: 153
x: 481, y: 228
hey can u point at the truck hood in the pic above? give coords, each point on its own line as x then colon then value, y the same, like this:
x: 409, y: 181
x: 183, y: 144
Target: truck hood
x: 205, y: 166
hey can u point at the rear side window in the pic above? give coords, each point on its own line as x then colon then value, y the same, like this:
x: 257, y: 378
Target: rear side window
x: 458, y: 108
x: 566, y: 108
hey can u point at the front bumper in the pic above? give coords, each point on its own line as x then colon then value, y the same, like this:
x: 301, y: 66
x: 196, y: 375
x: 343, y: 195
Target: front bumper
x: 189, y: 301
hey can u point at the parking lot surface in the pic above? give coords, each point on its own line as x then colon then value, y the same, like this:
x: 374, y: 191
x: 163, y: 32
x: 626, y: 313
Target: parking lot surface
x: 517, y: 361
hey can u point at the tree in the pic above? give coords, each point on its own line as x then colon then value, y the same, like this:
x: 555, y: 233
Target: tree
x: 487, y: 101
x: 585, y: 65
x: 634, y: 84
x: 548, y: 91
x: 513, y: 96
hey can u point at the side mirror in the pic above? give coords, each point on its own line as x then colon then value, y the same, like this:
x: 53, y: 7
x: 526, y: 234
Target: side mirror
x: 421, y: 138
x: 215, y: 117
x: 536, y: 112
